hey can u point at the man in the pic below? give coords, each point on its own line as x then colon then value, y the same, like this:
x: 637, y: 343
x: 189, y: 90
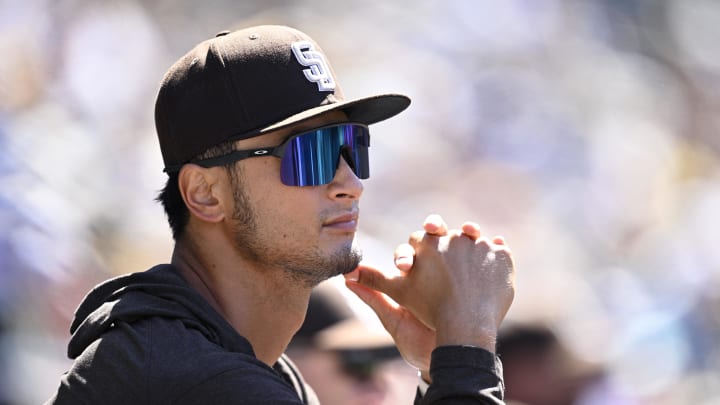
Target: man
x: 265, y: 159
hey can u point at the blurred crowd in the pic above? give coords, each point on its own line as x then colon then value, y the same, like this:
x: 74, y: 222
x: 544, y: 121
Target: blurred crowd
x: 584, y: 131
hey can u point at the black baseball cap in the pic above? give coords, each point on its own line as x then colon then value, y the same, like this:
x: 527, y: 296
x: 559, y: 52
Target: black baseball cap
x: 245, y: 83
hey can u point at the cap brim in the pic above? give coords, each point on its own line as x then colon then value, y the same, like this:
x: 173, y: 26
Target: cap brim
x: 368, y: 110
x: 352, y: 334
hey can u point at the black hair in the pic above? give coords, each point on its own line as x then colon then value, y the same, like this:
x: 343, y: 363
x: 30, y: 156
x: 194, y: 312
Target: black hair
x: 175, y: 209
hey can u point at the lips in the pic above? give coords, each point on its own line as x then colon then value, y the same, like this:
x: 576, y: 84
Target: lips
x: 345, y: 222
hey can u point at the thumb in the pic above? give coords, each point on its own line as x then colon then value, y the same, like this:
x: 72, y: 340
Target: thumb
x: 378, y: 302
x: 373, y: 278
x: 389, y: 312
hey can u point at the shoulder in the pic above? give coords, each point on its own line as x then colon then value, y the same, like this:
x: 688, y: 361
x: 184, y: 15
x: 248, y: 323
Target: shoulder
x: 159, y: 360
x: 246, y: 385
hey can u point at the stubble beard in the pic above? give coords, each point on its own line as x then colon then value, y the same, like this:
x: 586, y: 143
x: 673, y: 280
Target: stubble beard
x: 308, y: 268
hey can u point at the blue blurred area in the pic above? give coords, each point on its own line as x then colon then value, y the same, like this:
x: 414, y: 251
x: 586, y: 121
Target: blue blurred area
x: 585, y: 132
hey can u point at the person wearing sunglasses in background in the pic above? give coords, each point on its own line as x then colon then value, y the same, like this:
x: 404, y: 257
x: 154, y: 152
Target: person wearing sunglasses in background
x: 344, y: 359
x: 265, y: 159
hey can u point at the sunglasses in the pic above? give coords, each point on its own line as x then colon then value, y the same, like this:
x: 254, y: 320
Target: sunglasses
x: 363, y: 364
x: 311, y: 158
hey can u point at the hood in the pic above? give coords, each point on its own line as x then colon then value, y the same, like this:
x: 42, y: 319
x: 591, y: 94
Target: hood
x: 158, y: 292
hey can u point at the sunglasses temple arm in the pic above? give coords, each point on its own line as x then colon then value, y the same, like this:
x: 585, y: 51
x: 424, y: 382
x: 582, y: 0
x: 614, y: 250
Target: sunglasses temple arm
x: 234, y: 157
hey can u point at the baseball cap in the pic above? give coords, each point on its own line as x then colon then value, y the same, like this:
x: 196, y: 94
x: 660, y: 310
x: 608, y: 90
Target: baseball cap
x: 245, y: 83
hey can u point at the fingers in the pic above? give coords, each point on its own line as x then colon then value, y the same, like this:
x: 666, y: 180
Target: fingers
x: 435, y: 225
x: 387, y: 311
x: 373, y: 278
x: 404, y: 257
x: 501, y: 245
x: 471, y: 230
x: 414, y: 340
x: 374, y: 299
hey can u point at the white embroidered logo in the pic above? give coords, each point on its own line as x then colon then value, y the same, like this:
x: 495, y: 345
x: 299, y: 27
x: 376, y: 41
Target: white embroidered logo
x: 318, y: 71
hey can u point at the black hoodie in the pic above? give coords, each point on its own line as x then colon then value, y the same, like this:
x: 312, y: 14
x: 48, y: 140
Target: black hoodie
x: 149, y: 338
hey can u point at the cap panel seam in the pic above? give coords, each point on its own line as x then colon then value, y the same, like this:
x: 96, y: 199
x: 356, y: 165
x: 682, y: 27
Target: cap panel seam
x: 228, y: 78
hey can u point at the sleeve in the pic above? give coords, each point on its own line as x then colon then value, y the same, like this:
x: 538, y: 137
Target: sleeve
x: 463, y: 375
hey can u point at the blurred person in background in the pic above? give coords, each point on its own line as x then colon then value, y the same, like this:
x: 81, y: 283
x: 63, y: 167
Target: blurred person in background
x: 265, y: 159
x: 339, y: 355
x: 539, y: 370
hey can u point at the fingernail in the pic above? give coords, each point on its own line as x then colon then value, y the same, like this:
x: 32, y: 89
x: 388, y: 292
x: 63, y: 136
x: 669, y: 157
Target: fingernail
x: 403, y: 262
x: 434, y: 219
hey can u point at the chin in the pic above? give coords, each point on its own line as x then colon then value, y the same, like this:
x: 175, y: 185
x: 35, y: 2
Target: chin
x: 347, y: 259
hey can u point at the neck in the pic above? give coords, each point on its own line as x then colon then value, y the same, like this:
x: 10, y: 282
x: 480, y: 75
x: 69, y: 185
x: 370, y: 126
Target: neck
x: 260, y: 303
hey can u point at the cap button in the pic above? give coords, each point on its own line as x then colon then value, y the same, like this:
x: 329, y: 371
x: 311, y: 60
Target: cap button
x: 222, y: 33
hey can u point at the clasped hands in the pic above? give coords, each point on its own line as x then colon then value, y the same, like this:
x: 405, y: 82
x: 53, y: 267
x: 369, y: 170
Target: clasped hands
x: 454, y: 288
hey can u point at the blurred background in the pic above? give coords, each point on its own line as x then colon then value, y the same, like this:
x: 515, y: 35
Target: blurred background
x: 585, y: 132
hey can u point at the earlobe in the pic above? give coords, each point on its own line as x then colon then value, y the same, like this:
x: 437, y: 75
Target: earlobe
x: 197, y: 189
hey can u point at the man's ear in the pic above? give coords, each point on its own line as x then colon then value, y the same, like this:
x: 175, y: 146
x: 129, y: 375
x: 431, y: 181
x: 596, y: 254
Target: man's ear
x: 199, y: 188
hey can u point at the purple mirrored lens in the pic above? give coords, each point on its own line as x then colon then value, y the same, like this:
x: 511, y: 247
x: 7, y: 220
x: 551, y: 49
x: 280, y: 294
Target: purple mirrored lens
x: 311, y: 159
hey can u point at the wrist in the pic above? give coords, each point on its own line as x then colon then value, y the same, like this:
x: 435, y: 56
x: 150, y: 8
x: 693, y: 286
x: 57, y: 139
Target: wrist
x: 485, y: 338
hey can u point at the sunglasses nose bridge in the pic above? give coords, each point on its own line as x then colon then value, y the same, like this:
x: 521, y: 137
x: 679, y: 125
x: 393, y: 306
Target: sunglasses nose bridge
x: 346, y: 153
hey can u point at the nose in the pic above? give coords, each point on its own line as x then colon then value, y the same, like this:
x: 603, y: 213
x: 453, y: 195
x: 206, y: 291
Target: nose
x: 345, y: 184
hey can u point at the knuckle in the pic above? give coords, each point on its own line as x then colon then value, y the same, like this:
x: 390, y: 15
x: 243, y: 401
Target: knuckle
x: 416, y: 236
x: 504, y: 257
x: 502, y: 250
x: 460, y: 241
x: 404, y: 250
x: 483, y: 243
